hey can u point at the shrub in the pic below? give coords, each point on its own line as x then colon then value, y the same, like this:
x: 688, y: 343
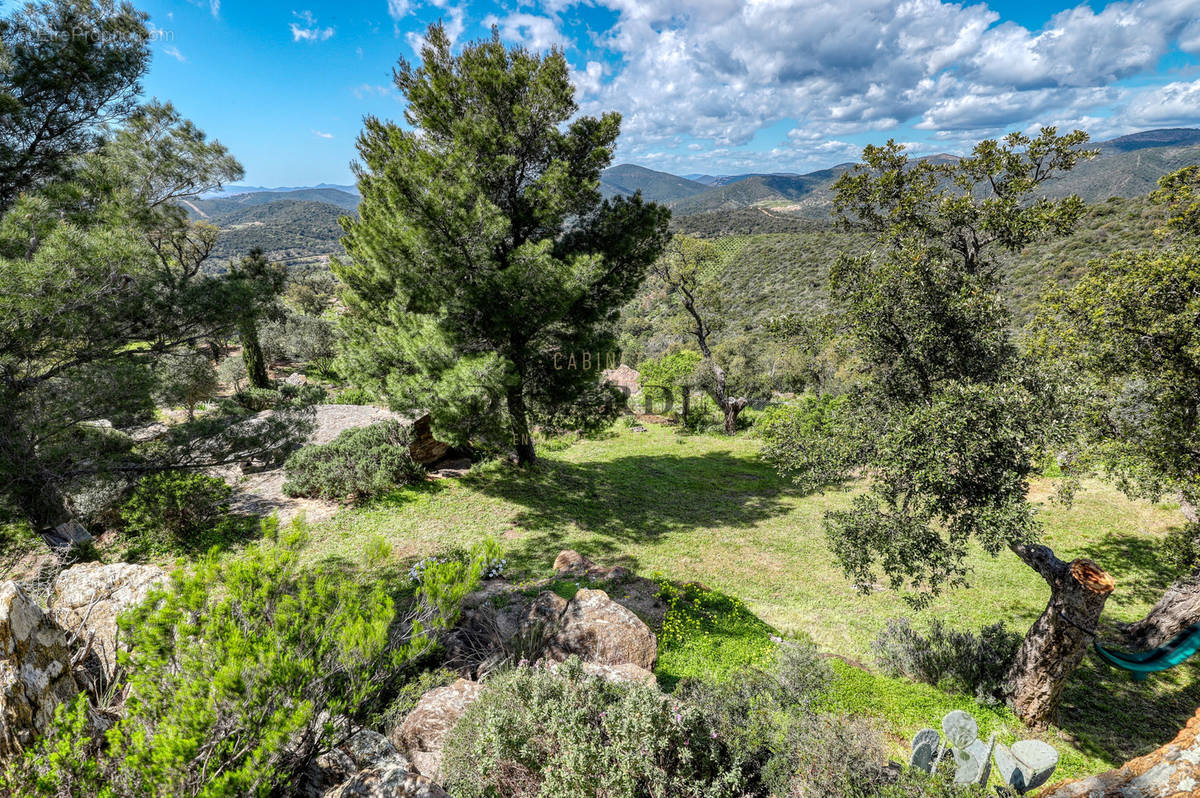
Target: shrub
x: 357, y: 465
x: 1181, y: 550
x: 235, y: 673
x: 542, y: 732
x: 964, y: 661
x: 564, y: 734
x: 176, y: 509
x: 186, y: 378
x: 768, y: 718
x: 810, y: 441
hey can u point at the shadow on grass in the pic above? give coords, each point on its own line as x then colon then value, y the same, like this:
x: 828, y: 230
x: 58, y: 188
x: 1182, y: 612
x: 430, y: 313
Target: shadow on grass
x: 1135, y: 561
x: 1117, y: 718
x: 631, y: 499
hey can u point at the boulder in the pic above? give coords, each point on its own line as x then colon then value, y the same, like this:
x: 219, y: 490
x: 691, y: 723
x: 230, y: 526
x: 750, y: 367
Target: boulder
x: 87, y: 598
x: 296, y: 378
x: 1173, y: 770
x: 362, y: 750
x: 35, y: 670
x: 424, y: 730
x: 387, y: 780
x: 423, y: 447
x: 625, y: 672
x: 597, y: 629
x: 570, y: 561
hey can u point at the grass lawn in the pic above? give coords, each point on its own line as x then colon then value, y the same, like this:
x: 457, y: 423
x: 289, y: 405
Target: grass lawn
x: 706, y: 509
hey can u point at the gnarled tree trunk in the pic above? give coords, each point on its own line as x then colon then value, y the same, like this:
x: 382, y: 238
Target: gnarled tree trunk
x: 1178, y: 608
x: 1057, y: 641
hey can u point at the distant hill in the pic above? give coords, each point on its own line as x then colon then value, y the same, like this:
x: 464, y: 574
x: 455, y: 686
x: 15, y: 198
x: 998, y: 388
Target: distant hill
x: 215, y: 207
x: 1128, y: 166
x: 227, y: 191
x: 626, y: 179
x: 806, y: 195
x: 1164, y: 137
x: 771, y: 268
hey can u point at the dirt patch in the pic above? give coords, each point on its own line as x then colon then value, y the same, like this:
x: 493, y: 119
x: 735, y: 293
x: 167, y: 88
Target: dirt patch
x: 261, y: 493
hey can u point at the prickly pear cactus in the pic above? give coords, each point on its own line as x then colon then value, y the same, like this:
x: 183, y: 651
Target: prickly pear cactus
x: 960, y: 728
x: 924, y: 747
x: 1027, y: 765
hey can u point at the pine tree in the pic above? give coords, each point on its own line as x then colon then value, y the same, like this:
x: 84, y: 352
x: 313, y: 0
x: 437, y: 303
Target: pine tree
x: 482, y: 248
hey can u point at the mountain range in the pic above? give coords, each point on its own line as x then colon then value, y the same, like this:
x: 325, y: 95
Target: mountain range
x: 301, y: 221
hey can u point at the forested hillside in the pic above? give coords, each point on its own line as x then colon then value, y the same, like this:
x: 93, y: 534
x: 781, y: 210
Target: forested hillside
x: 775, y: 264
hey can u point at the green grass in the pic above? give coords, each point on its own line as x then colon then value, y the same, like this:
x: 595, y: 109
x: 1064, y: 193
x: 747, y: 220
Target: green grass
x: 706, y: 509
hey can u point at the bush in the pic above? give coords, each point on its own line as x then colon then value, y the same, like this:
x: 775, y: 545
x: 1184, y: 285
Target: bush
x: 357, y: 465
x: 235, y: 673
x: 542, y: 732
x: 810, y: 441
x: 564, y: 734
x: 1181, y: 550
x: 963, y: 661
x: 180, y: 510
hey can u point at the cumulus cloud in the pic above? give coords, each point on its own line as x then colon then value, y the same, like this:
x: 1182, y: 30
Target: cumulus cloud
x: 536, y: 33
x: 307, y: 29
x: 1173, y: 104
x: 723, y: 70
x: 398, y: 9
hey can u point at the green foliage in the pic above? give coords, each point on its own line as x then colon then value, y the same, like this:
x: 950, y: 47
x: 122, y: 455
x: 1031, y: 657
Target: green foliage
x: 69, y: 67
x: 357, y: 465
x: 235, y: 672
x: 186, y: 378
x: 953, y: 415
x: 482, y: 247
x: 707, y: 634
x: 1125, y: 341
x: 100, y: 280
x: 535, y: 732
x: 175, y: 510
x: 963, y: 661
x: 674, y: 370
x: 812, y: 440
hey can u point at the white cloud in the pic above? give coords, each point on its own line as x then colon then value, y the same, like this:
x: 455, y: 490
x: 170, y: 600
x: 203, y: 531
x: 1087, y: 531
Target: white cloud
x: 722, y: 70
x: 366, y: 90
x: 398, y: 9
x: 536, y: 33
x: 173, y: 51
x: 307, y: 30
x: 1173, y: 104
x: 320, y: 134
x: 215, y: 7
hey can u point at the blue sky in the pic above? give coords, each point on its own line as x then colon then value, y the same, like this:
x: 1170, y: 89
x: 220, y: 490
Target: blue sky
x: 715, y: 86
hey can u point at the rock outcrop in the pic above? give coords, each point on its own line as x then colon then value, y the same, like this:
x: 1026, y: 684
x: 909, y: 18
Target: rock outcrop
x: 422, y: 734
x: 597, y: 629
x: 87, y: 599
x: 35, y: 670
x: 362, y: 750
x: 1173, y: 770
x: 387, y: 781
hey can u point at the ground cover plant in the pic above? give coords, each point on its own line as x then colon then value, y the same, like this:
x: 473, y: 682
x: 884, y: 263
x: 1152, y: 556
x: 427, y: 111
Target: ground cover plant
x: 705, y: 508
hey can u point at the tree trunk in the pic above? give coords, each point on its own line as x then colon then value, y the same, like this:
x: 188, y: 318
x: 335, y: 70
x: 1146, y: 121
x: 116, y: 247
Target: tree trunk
x: 1057, y: 641
x: 731, y: 408
x: 1178, y: 608
x: 522, y: 440
x: 687, y: 403
x: 252, y: 355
